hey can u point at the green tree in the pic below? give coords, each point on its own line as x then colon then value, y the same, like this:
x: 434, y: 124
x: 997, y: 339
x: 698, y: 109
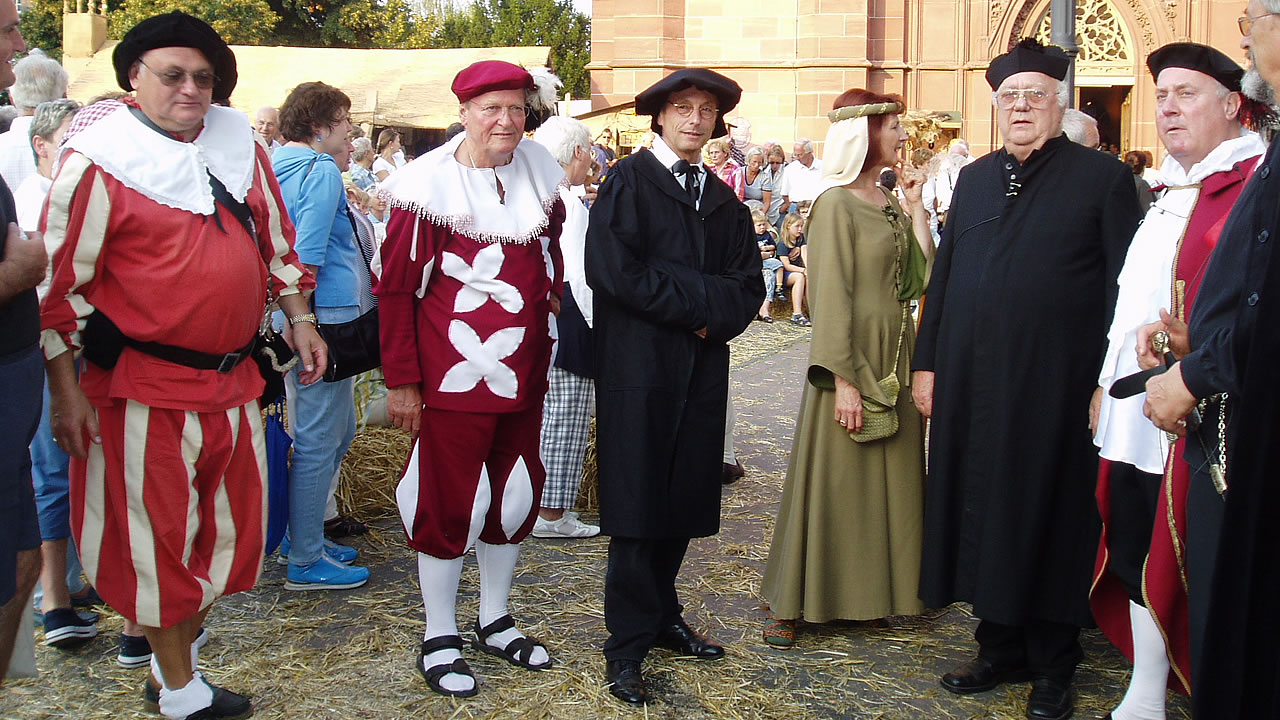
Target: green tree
x: 554, y: 23
x: 239, y: 22
x: 350, y: 23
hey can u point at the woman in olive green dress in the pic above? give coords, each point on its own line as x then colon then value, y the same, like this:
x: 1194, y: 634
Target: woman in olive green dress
x: 846, y: 545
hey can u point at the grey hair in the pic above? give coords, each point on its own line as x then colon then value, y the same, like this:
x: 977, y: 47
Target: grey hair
x: 754, y: 150
x: 362, y: 148
x: 48, y: 118
x: 1271, y: 5
x: 38, y: 79
x: 562, y: 135
x: 806, y: 143
x: 1077, y: 124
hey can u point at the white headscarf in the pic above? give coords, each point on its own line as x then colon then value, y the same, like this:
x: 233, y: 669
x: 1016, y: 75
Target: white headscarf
x: 848, y: 140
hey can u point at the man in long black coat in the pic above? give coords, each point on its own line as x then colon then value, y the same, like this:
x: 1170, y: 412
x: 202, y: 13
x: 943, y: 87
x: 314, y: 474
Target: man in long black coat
x: 1008, y: 355
x: 672, y: 260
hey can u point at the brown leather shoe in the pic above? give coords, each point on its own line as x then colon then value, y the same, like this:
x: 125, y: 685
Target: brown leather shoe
x: 730, y: 474
x: 626, y: 682
x: 978, y: 675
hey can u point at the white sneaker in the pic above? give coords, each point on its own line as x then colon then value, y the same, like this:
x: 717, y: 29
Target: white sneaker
x: 568, y: 526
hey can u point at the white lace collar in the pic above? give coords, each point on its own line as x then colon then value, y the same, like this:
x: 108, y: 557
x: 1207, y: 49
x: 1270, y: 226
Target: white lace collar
x: 169, y: 171
x: 438, y: 188
x: 1222, y: 157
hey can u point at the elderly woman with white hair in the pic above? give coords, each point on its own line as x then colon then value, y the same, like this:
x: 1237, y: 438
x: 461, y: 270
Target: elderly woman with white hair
x: 756, y: 181
x: 566, y: 413
x: 38, y: 79
x: 362, y: 156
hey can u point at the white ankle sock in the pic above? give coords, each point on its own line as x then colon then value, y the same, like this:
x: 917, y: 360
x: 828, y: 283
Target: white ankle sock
x: 194, y: 697
x: 497, y: 566
x: 439, y: 581
x: 1144, y: 700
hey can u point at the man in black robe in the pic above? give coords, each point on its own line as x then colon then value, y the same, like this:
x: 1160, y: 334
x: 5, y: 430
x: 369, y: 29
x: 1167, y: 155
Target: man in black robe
x: 1007, y: 358
x: 672, y: 260
x: 1229, y: 368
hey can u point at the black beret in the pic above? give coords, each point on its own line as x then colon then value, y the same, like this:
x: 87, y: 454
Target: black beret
x: 176, y: 29
x: 1028, y: 56
x: 1200, y: 58
x: 727, y: 92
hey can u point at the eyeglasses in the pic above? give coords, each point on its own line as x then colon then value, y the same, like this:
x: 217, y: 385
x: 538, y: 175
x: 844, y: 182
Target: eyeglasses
x: 1035, y: 97
x: 706, y: 112
x: 203, y: 79
x: 1246, y: 22
x: 492, y: 111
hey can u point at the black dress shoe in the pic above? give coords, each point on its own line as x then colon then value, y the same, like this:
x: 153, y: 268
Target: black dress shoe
x: 678, y: 637
x: 978, y: 675
x: 1049, y: 700
x: 626, y: 682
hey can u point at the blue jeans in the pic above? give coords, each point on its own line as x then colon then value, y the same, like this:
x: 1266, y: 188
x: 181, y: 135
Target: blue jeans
x: 324, y: 423
x: 53, y: 500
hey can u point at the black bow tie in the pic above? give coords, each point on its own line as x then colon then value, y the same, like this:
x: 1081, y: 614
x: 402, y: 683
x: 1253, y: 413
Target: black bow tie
x: 692, y: 173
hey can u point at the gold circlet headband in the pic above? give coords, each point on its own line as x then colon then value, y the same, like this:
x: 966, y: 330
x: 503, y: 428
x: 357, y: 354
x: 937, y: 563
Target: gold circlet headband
x: 853, y: 111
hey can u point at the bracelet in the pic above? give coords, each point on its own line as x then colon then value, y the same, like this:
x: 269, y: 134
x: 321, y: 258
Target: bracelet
x: 305, y: 317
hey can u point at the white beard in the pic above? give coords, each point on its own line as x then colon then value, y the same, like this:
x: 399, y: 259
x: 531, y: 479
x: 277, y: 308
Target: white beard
x: 1255, y: 88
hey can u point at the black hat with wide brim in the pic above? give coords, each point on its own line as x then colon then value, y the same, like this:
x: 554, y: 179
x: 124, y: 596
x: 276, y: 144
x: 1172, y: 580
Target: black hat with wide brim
x: 1201, y: 58
x: 1028, y: 56
x: 176, y: 29
x: 726, y: 91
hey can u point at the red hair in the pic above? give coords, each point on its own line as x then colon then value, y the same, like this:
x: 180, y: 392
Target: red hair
x: 859, y: 96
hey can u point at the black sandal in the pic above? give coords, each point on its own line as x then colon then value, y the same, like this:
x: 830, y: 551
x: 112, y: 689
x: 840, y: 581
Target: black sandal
x: 459, y: 667
x: 517, y: 652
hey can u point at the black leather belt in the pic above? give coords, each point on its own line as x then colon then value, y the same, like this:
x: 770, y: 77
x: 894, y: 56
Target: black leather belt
x: 223, y: 363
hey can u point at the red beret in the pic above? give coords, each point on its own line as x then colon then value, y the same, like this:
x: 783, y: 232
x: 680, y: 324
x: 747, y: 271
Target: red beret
x: 488, y: 75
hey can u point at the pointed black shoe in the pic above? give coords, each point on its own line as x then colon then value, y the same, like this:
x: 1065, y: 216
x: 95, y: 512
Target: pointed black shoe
x: 1049, y: 700
x: 626, y: 682
x: 978, y: 675
x: 679, y: 637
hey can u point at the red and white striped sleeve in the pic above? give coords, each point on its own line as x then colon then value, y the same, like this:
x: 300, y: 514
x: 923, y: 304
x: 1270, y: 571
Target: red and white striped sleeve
x: 75, y: 219
x: 286, y: 275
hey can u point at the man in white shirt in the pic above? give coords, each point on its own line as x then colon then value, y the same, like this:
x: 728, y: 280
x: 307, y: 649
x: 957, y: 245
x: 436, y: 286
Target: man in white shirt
x: 39, y: 79
x: 802, y: 180
x: 267, y: 123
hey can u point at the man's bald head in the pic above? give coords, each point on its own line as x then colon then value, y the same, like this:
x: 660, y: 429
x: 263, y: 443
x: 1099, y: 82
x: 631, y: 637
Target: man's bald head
x: 267, y: 121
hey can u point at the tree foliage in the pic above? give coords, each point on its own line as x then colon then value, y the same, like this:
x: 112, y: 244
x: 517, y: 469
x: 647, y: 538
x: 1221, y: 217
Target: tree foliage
x: 359, y: 24
x: 554, y: 23
x: 239, y: 22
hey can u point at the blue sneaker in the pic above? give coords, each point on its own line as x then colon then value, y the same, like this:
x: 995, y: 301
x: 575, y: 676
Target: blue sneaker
x: 325, y: 574
x: 64, y: 628
x: 342, y: 553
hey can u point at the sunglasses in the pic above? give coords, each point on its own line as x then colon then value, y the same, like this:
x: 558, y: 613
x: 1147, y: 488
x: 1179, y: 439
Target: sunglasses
x: 202, y: 79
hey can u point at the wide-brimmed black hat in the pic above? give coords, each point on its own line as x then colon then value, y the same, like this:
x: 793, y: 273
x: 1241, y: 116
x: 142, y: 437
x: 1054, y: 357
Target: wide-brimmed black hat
x: 177, y: 29
x: 727, y: 92
x: 1028, y: 56
x: 1201, y: 58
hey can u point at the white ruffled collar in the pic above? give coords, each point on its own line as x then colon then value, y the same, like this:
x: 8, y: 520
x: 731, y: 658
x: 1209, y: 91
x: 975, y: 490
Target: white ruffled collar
x: 1222, y: 157
x: 438, y: 188
x: 169, y: 171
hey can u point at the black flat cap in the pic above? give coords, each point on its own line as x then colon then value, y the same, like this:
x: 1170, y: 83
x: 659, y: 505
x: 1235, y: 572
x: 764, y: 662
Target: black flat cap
x: 727, y: 92
x: 1201, y: 58
x: 1028, y: 56
x: 176, y: 29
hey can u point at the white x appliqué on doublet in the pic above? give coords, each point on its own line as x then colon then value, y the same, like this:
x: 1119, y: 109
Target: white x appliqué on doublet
x: 482, y: 360
x: 480, y: 280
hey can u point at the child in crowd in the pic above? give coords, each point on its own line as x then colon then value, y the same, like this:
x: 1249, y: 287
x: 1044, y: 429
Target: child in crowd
x: 794, y: 255
x: 767, y: 239
x: 802, y: 208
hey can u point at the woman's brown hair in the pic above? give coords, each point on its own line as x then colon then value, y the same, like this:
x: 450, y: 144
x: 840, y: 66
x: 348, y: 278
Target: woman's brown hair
x: 309, y: 106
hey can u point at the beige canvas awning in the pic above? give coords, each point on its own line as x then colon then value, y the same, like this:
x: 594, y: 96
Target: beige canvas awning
x: 402, y: 88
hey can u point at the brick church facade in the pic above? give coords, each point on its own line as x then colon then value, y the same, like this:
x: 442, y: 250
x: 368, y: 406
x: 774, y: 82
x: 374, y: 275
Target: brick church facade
x: 794, y: 57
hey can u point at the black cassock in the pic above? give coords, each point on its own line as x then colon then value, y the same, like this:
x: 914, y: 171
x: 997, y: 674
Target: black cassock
x: 1015, y: 326
x: 661, y: 270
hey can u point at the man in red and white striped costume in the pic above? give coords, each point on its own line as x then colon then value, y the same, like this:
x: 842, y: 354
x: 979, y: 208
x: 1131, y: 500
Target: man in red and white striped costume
x: 170, y: 226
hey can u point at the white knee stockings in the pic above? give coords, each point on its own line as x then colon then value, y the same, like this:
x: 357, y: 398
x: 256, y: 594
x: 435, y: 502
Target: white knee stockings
x: 1145, y: 698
